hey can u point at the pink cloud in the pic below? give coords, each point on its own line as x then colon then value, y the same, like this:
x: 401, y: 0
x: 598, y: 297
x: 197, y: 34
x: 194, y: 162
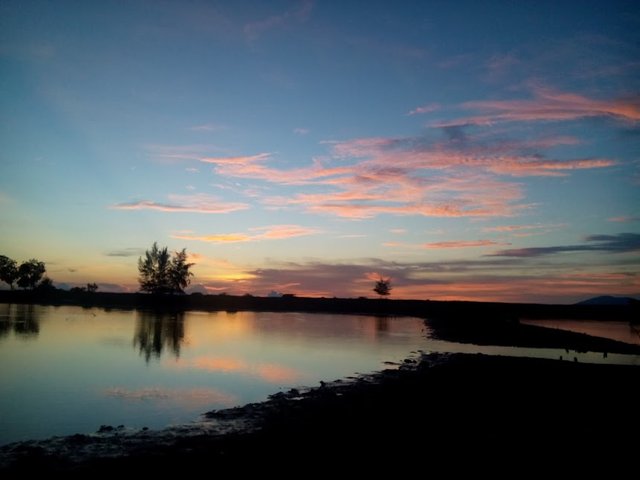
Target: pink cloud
x: 547, y: 105
x: 519, y: 167
x: 273, y: 232
x: 366, y: 177
x: 504, y: 158
x: 276, y: 232
x: 199, y: 203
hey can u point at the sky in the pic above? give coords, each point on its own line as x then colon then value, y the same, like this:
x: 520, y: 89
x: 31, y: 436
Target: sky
x: 465, y: 150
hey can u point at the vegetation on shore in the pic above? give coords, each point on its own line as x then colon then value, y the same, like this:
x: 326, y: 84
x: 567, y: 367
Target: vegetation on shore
x: 481, y: 312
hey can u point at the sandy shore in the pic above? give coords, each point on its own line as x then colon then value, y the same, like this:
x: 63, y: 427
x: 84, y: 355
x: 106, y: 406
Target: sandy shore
x: 457, y: 412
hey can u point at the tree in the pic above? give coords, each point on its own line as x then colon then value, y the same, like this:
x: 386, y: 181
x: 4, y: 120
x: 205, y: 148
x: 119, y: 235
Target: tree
x: 160, y: 273
x: 92, y: 287
x: 8, y: 270
x: 30, y: 273
x: 383, y: 287
x: 45, y: 286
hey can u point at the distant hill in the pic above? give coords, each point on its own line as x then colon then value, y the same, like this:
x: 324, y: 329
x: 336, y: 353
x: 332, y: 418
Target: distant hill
x: 607, y: 300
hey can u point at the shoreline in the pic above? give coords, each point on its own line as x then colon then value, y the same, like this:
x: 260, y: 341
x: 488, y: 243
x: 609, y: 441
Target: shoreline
x: 464, y: 404
x: 468, y: 405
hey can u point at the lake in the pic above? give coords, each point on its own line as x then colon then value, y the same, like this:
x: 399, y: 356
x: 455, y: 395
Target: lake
x: 68, y: 370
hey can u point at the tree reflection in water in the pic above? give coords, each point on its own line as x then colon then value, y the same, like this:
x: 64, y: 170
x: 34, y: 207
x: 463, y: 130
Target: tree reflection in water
x: 22, y: 319
x: 156, y: 331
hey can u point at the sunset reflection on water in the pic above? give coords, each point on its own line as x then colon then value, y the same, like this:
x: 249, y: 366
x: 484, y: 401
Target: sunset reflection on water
x: 93, y: 366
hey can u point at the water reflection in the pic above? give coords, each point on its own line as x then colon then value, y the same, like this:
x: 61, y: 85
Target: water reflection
x: 382, y: 324
x: 156, y: 331
x: 23, y: 320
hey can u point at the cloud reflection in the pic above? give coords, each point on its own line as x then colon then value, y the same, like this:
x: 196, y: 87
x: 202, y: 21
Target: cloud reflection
x: 267, y: 372
x: 191, y: 397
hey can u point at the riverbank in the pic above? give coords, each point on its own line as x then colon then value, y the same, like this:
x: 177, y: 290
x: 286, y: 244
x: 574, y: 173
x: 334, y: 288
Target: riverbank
x: 457, y: 411
x: 462, y: 413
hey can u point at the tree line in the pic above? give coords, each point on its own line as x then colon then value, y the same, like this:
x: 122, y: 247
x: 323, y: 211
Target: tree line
x: 160, y: 272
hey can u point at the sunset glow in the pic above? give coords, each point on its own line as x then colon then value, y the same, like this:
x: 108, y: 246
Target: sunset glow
x: 312, y: 147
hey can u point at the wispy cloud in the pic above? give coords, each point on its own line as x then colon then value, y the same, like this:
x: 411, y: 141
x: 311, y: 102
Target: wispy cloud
x: 624, y: 242
x: 199, y: 203
x: 300, y: 13
x: 465, y: 175
x: 547, y: 105
x: 625, y: 219
x: 447, y: 244
x: 431, y: 107
x: 273, y: 232
x: 301, y: 131
x: 525, y: 230
x: 462, y: 244
x: 125, y: 252
x: 206, y: 127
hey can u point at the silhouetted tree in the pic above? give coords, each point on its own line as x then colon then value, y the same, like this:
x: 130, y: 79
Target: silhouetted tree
x: 30, y: 273
x: 92, y: 287
x: 45, y: 286
x: 383, y: 287
x: 8, y: 270
x: 160, y: 273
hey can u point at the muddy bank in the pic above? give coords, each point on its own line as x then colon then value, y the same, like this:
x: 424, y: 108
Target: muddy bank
x: 506, y: 332
x: 459, y: 412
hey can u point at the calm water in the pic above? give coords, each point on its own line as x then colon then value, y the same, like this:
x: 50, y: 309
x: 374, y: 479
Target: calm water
x: 621, y: 331
x: 67, y: 370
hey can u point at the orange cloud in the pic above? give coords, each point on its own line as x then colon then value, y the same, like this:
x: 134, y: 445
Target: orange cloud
x: 548, y: 105
x: 220, y: 238
x: 274, y: 232
x: 200, y: 203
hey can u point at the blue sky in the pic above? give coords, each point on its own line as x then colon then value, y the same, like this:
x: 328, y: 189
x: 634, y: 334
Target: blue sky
x: 469, y: 150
